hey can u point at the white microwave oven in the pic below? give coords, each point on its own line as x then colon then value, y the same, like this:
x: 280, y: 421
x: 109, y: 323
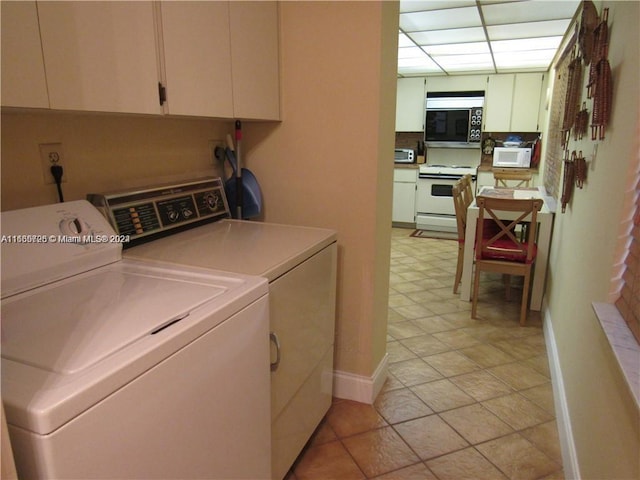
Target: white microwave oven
x: 511, y: 157
x: 404, y: 155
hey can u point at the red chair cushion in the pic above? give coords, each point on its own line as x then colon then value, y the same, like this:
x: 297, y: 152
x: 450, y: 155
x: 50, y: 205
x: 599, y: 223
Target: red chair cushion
x: 505, y: 249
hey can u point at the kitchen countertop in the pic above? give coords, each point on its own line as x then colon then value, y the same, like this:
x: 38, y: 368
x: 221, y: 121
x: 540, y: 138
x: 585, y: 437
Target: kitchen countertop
x: 406, y: 165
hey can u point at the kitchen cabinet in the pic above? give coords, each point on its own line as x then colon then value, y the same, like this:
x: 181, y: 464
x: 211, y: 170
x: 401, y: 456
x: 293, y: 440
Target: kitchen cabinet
x: 100, y: 56
x: 213, y: 59
x: 459, y: 83
x: 254, y: 32
x: 512, y: 102
x: 404, y: 195
x: 197, y: 33
x: 23, y: 78
x: 221, y: 59
x: 410, y: 104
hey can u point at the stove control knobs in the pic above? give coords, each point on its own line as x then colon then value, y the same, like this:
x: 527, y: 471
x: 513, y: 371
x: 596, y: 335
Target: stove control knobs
x: 187, y: 212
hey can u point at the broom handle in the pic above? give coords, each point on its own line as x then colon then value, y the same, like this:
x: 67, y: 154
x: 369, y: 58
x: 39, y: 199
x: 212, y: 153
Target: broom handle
x: 239, y: 190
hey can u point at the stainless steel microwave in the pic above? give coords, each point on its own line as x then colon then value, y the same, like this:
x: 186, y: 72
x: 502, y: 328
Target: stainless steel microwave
x: 454, y: 119
x: 404, y: 155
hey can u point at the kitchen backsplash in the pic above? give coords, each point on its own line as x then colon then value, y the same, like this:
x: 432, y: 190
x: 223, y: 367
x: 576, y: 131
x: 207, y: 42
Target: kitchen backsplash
x: 408, y: 139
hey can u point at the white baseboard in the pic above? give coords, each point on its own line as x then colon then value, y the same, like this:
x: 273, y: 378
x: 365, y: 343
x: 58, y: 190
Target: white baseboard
x: 359, y: 388
x: 567, y: 445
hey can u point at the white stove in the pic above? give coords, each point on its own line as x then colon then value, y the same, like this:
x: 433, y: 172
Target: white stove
x: 434, y: 201
x: 458, y: 170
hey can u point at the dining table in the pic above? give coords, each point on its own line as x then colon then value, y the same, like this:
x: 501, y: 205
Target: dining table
x: 545, y: 225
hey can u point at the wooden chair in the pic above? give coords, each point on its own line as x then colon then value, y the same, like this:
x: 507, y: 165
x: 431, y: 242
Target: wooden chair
x: 504, y: 175
x: 462, y: 198
x: 503, y: 252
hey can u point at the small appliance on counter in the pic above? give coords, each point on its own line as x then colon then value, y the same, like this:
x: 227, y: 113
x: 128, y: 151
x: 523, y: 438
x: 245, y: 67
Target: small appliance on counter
x: 515, y: 157
x: 404, y: 155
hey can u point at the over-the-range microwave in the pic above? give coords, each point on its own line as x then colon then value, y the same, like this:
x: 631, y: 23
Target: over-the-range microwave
x: 511, y: 157
x: 453, y: 119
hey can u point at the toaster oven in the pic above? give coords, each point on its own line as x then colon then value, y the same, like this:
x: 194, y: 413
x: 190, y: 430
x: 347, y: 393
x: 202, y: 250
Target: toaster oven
x: 404, y: 155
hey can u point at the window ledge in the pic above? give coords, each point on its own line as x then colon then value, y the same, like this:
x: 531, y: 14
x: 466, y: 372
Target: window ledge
x: 623, y: 344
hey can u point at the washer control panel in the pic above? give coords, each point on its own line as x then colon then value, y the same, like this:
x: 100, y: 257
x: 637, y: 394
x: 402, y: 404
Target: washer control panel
x: 154, y: 211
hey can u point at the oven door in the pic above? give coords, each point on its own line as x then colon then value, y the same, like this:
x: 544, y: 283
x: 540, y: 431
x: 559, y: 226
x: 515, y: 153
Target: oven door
x: 435, y: 194
x: 434, y: 202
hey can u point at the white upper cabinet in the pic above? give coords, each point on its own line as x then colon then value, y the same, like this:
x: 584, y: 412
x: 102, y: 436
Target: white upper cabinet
x: 100, y: 56
x: 197, y: 58
x: 512, y: 102
x: 410, y: 104
x: 23, y: 79
x: 255, y: 65
x: 212, y: 59
x: 527, y: 94
x: 498, y: 102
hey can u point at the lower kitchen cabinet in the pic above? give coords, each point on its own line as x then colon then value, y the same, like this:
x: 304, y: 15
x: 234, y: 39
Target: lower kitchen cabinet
x: 404, y: 195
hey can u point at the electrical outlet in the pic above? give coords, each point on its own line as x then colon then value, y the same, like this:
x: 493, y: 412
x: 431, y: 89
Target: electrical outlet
x: 213, y: 144
x: 52, y: 154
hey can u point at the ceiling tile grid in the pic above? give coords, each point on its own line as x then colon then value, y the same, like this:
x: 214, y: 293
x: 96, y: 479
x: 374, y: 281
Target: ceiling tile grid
x: 442, y: 37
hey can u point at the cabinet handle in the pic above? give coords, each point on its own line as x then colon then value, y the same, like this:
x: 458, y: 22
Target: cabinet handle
x: 274, y: 338
x: 162, y: 93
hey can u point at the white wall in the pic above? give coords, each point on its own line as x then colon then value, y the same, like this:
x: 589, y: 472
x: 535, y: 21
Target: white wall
x: 604, y: 419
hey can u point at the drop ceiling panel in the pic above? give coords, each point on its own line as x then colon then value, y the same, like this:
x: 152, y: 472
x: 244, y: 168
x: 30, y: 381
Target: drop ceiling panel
x: 494, y: 36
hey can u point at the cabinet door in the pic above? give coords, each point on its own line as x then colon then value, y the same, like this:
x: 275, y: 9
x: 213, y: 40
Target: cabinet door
x: 498, y: 103
x: 410, y: 105
x: 526, y: 102
x: 255, y: 66
x: 100, y: 56
x: 197, y: 58
x: 23, y: 77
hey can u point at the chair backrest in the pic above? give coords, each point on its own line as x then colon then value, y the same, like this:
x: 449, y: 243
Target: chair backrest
x: 503, y: 175
x: 504, y: 244
x: 462, y: 198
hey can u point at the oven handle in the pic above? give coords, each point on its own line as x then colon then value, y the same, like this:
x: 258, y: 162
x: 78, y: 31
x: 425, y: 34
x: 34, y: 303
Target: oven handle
x: 443, y: 176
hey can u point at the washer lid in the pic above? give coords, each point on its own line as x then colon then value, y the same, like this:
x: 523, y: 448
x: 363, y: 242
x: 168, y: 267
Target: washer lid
x: 71, y: 325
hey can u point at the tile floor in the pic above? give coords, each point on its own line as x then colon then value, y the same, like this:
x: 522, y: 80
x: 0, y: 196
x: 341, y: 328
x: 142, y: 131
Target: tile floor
x: 465, y: 399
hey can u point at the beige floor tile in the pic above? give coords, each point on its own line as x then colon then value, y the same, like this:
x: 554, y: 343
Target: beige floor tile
x: 456, y: 339
x: 413, y: 372
x: 441, y: 395
x: 517, y: 411
x: 542, y: 395
x: 518, y: 348
x: 401, y: 405
x: 430, y: 436
x: 398, y: 352
x: 323, y: 434
x: 379, y: 451
x: 518, y: 458
x: 415, y: 472
x: 399, y: 300
x: 467, y: 464
x: 545, y: 437
x: 433, y: 324
x: 330, y: 460
x: 540, y: 363
x: 475, y: 423
x: 487, y: 355
x: 404, y: 329
x: 347, y: 418
x: 413, y: 311
x: 425, y: 345
x: 451, y: 363
x: 391, y: 383
x: 481, y: 385
x: 518, y: 375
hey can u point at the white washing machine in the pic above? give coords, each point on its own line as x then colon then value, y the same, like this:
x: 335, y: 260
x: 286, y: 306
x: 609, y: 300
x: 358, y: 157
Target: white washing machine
x: 300, y: 264
x: 115, y: 368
